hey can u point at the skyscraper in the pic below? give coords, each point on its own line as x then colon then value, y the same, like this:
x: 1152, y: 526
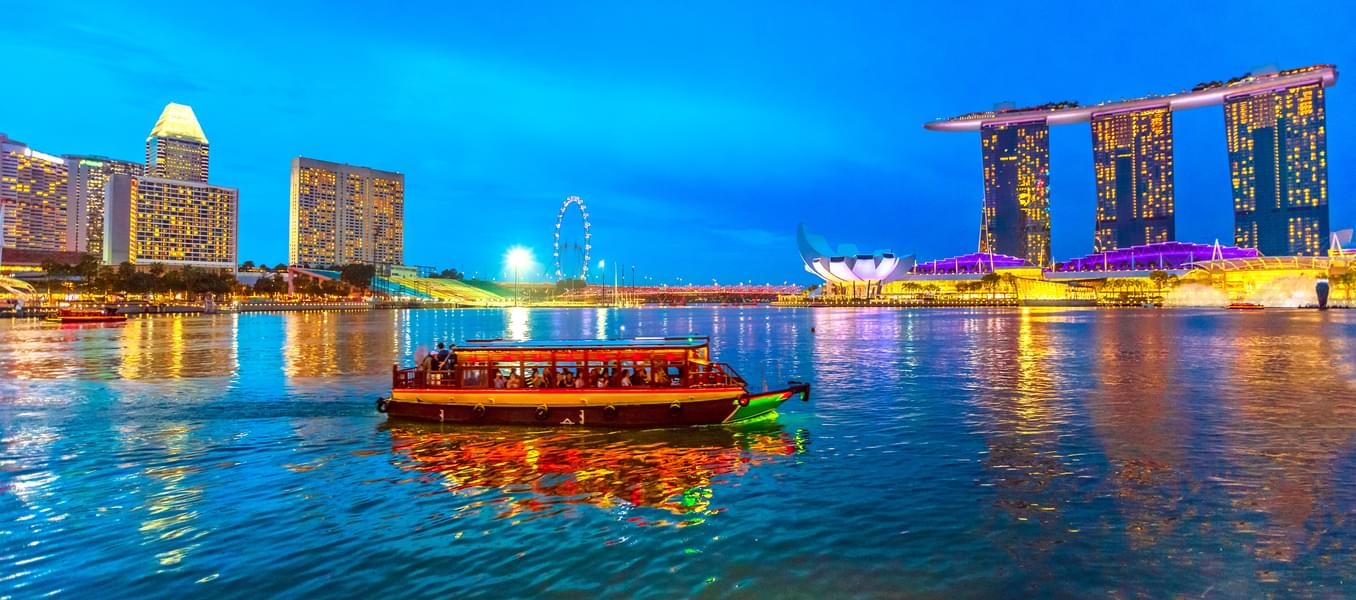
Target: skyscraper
x: 33, y: 199
x: 342, y: 214
x: 1016, y: 191
x: 171, y: 215
x: 88, y: 177
x: 1278, y: 162
x: 171, y: 222
x: 177, y: 147
x: 1132, y: 159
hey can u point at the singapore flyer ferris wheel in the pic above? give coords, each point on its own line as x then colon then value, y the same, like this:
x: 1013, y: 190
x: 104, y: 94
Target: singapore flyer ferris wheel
x: 572, y: 241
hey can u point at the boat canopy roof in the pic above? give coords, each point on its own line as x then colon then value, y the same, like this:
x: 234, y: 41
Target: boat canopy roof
x: 641, y: 343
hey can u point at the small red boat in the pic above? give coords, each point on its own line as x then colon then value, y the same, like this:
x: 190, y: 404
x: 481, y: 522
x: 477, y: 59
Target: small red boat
x: 1245, y: 306
x: 641, y: 382
x: 87, y: 315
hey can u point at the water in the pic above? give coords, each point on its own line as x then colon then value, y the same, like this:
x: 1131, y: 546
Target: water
x: 945, y: 453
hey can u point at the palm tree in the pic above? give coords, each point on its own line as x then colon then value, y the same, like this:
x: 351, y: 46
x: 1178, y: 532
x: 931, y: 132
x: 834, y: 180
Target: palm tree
x: 1159, y: 278
x: 990, y: 281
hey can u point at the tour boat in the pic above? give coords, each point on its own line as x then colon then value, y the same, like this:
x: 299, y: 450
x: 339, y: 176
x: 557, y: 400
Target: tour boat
x: 1245, y: 306
x: 493, y: 382
x: 87, y: 315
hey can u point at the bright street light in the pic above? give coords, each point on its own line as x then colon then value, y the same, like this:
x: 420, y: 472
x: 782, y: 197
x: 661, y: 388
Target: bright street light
x: 518, y: 258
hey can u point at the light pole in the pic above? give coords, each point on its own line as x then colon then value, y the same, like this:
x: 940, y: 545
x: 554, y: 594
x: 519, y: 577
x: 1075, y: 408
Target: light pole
x: 518, y: 258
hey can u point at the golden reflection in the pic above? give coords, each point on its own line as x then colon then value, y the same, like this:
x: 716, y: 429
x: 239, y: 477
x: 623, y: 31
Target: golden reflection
x: 518, y: 323
x: 170, y: 509
x: 1140, y: 422
x: 1291, y: 427
x: 320, y: 344
x: 1022, y: 416
x: 174, y: 346
x: 541, y: 474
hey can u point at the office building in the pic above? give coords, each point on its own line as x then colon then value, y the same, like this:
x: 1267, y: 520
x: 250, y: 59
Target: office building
x: 89, y: 177
x: 342, y: 214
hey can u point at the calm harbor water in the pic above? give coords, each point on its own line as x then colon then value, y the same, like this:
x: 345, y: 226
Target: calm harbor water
x: 944, y: 453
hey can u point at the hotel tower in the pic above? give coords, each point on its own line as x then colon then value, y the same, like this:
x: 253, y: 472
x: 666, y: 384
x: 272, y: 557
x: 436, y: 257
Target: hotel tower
x: 342, y: 214
x: 34, y: 199
x: 1278, y: 162
x: 1132, y: 161
x: 1017, y: 191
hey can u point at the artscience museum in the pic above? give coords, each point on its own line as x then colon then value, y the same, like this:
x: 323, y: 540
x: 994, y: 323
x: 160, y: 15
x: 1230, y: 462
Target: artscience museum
x: 847, y: 267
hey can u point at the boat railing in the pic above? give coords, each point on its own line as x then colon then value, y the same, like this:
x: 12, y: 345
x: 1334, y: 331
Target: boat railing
x: 695, y: 375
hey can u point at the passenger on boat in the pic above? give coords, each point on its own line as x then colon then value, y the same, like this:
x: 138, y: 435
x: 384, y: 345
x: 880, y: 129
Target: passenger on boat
x: 515, y: 380
x: 450, y: 361
x: 626, y: 378
x: 639, y: 379
x: 537, y: 381
x: 579, y: 382
x: 425, y: 366
x: 442, y: 356
x: 499, y: 381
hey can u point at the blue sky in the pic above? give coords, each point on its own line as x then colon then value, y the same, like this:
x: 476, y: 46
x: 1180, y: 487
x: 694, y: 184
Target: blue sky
x: 699, y: 133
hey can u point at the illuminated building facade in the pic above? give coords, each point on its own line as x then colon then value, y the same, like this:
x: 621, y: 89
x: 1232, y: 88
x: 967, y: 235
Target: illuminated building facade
x: 89, y: 176
x: 152, y: 220
x: 177, y: 147
x: 34, y: 200
x: 1132, y: 160
x: 342, y: 214
x: 1016, y: 191
x: 1277, y: 142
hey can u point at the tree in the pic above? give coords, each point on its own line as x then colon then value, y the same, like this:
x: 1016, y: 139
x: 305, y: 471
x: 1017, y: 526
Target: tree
x: 247, y: 265
x: 990, y: 281
x: 451, y: 274
x: 358, y: 275
x: 1159, y: 278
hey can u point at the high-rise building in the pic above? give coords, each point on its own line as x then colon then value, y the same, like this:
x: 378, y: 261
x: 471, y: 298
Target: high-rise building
x: 342, y: 214
x: 150, y: 220
x: 33, y: 199
x: 177, y: 147
x: 1278, y: 163
x: 1016, y: 191
x: 1132, y: 159
x: 88, y: 177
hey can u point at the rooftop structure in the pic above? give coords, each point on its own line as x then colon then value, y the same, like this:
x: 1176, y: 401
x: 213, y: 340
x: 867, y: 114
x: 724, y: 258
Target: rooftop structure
x: 177, y: 147
x: 973, y: 263
x: 1161, y: 256
x: 1204, y: 94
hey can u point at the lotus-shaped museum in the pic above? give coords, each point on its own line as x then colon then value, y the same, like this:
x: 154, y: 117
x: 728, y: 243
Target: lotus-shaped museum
x: 848, y: 265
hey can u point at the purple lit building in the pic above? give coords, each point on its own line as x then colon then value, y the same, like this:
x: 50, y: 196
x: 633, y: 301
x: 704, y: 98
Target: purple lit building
x: 1162, y: 256
x: 974, y: 263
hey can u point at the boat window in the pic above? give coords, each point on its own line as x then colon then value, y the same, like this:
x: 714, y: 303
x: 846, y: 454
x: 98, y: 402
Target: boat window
x: 473, y: 378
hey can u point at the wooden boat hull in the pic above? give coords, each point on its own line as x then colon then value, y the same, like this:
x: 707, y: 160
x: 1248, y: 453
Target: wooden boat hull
x: 611, y: 408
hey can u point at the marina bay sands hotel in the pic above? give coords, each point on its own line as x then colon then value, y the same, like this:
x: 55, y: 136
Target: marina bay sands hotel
x: 1275, y: 132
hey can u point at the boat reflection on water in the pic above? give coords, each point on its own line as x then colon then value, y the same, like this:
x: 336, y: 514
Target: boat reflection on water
x: 543, y: 473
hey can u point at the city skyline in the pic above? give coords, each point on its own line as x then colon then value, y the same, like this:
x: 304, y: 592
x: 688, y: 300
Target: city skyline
x: 681, y: 171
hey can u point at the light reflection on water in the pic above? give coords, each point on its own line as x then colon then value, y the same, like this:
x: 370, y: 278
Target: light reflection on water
x: 986, y: 452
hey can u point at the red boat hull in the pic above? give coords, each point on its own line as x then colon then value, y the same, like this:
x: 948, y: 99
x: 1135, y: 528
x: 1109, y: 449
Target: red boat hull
x: 736, y: 407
